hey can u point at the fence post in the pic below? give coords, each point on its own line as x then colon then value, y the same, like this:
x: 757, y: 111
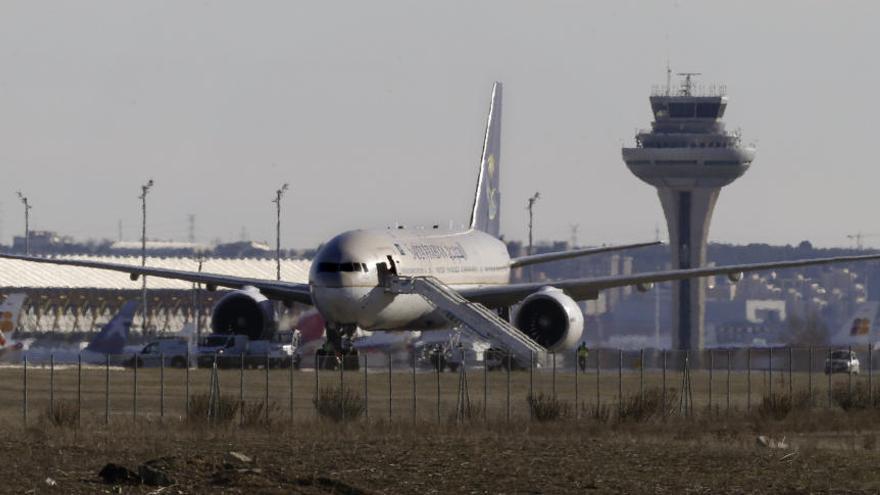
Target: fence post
x: 619, y: 381
x: 266, y: 409
x: 186, y: 379
x: 576, y: 404
x: 663, y: 394
x: 341, y: 387
x: 531, y: 381
x: 437, y: 378
x: 749, y: 379
x: 485, y: 391
x: 161, y: 385
x: 79, y: 377
x: 870, y: 376
x: 830, y: 370
x: 290, y: 386
x: 770, y: 373
x: 134, y: 394
x: 810, y: 376
x: 728, y: 382
x: 641, y: 376
x: 414, y: 386
x: 366, y: 390
x: 509, y: 359
x: 711, y: 368
x: 390, y: 396
x: 240, y: 388
x: 51, y: 384
x: 24, y: 392
x: 107, y: 390
x: 850, y: 375
x: 790, y: 376
x: 318, y: 362
x: 598, y: 378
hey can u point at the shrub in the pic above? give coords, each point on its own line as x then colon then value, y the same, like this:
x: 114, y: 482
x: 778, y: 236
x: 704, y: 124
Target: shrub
x: 548, y: 408
x: 64, y: 414
x: 471, y: 411
x: 779, y: 406
x: 254, y: 413
x: 224, y: 412
x: 652, y: 405
x: 858, y: 399
x: 339, y: 404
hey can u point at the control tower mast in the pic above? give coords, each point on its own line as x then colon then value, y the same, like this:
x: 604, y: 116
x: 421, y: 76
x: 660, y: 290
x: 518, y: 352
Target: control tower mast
x: 688, y: 156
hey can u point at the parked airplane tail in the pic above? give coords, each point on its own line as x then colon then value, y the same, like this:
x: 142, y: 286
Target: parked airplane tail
x: 113, y: 336
x: 10, y: 309
x: 487, y: 202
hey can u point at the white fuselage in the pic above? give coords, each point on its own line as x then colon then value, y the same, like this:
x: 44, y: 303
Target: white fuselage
x: 345, y: 283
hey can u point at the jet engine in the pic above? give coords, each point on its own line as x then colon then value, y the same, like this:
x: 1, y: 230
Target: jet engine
x: 244, y: 312
x: 551, y: 318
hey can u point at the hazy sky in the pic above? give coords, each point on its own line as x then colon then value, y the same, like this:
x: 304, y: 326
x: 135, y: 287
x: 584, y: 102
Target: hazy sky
x: 374, y: 112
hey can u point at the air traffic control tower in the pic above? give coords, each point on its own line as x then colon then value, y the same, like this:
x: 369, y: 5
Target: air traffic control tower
x: 688, y: 156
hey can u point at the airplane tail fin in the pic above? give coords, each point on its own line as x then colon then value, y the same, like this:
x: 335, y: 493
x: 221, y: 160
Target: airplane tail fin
x: 487, y: 202
x: 10, y: 309
x: 113, y: 336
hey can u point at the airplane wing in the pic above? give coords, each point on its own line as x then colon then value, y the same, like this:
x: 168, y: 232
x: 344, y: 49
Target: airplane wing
x: 588, y: 288
x: 562, y: 255
x: 279, y: 290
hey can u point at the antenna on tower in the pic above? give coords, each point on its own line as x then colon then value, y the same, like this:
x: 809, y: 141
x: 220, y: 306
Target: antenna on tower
x: 668, y: 78
x: 574, y: 235
x: 688, y: 86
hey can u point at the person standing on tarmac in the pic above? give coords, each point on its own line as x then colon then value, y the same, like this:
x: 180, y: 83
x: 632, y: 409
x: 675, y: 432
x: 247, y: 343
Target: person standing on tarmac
x: 582, y: 354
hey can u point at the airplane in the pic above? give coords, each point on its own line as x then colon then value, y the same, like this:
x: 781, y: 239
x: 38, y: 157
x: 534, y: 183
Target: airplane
x: 10, y: 310
x: 349, y: 276
x: 113, y: 336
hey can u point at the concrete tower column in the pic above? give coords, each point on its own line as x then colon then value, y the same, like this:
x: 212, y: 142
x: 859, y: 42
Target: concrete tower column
x: 688, y: 213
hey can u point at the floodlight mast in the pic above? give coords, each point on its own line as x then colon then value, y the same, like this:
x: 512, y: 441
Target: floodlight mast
x: 278, y: 195
x: 145, y: 189
x: 534, y: 199
x: 27, y: 225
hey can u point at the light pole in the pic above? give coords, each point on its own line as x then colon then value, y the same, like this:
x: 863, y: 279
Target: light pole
x: 143, y: 197
x: 534, y: 199
x: 27, y: 225
x: 278, y: 194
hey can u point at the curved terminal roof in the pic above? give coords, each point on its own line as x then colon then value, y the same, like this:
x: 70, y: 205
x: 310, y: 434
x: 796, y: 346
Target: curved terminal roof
x: 23, y: 275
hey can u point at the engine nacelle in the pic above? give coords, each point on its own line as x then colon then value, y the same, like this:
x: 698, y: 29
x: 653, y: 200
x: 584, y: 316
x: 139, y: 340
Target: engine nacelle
x: 551, y: 318
x: 244, y: 312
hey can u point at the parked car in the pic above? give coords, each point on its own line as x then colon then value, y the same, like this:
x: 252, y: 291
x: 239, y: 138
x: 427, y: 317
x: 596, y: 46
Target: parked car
x: 842, y: 361
x: 173, y: 350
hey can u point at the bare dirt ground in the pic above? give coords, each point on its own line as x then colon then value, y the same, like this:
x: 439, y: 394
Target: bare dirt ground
x: 827, y: 449
x: 832, y: 452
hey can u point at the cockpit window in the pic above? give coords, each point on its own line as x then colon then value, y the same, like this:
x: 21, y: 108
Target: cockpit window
x: 326, y: 267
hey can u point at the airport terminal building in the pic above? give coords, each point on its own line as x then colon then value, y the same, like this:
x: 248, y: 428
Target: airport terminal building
x: 72, y: 299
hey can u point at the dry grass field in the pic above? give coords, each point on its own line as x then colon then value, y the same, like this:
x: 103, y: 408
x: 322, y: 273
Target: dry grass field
x: 394, y: 447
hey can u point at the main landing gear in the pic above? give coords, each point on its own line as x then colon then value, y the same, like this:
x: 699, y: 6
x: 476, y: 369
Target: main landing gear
x: 337, y: 349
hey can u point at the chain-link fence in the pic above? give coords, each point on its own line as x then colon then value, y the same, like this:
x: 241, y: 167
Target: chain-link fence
x: 372, y: 387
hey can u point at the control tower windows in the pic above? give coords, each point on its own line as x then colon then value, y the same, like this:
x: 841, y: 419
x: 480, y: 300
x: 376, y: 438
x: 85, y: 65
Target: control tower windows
x: 708, y: 110
x: 681, y: 110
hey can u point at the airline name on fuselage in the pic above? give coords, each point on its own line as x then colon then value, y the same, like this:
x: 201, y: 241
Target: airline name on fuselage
x: 433, y: 251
